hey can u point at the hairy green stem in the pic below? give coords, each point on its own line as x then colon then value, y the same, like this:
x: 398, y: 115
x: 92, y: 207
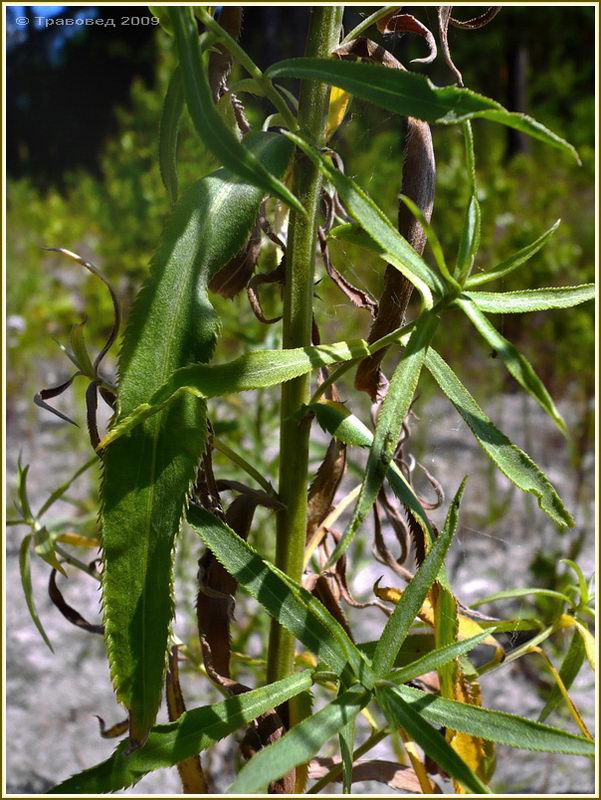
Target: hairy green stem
x: 323, y: 37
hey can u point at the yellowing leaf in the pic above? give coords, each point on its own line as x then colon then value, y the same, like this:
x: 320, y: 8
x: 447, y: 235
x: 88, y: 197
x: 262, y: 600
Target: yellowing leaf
x: 589, y: 643
x: 477, y: 753
x: 467, y: 627
x: 339, y: 103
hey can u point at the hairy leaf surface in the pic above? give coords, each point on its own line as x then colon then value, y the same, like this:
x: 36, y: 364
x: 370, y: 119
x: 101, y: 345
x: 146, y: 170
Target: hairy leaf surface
x: 256, y: 370
x: 286, y: 601
x: 147, y: 474
x: 521, y: 302
x: 213, y: 131
x: 495, y: 726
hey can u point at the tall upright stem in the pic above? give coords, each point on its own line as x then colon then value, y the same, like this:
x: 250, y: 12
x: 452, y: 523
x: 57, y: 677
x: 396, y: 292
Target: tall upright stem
x: 323, y: 37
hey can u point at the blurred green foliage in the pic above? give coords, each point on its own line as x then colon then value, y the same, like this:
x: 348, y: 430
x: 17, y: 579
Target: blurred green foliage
x: 116, y: 220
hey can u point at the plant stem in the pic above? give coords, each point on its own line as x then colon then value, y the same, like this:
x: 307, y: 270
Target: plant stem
x: 323, y: 37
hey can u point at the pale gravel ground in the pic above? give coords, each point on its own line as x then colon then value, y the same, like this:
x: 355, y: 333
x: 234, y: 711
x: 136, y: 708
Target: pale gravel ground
x: 51, y: 699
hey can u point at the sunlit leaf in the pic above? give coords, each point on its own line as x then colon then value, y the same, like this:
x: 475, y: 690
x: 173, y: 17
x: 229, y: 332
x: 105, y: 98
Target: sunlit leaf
x: 512, y: 461
x: 286, y: 601
x: 412, y: 94
x: 507, y: 266
x: 522, y: 302
x: 300, y: 743
x: 209, y: 125
x: 194, y: 731
x: 414, y: 595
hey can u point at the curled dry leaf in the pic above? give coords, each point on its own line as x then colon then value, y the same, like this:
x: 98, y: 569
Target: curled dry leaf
x: 68, y: 612
x: 190, y: 770
x: 444, y: 17
x: 406, y: 23
x: 476, y: 22
x: 275, y: 276
x: 323, y: 489
x: 116, y: 730
x: 396, y: 776
x: 215, y: 601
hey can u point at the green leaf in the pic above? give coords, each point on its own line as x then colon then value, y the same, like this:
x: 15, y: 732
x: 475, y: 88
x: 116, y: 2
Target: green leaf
x: 405, y: 715
x: 162, y: 14
x: 513, y: 262
x: 376, y: 224
x: 286, y: 601
x: 147, y: 476
x: 299, y: 744
x: 582, y: 584
x: 257, y: 370
x: 25, y: 570
x: 531, y: 299
x: 22, y: 473
x: 568, y: 672
x: 354, y: 234
x: 408, y: 607
x: 388, y: 427
x: 494, y: 726
x: 437, y: 658
x: 432, y: 238
x: 80, y: 351
x: 410, y: 94
x: 517, y: 364
x: 346, y: 740
x: 173, y: 107
x: 511, y: 593
x: 209, y: 124
x: 194, y: 731
x: 512, y: 461
x: 470, y: 238
x: 64, y: 487
x: 336, y: 419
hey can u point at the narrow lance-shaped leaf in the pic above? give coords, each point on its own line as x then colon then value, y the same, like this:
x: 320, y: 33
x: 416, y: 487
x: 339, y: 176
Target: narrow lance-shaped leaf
x: 403, y: 714
x: 512, y: 461
x: 335, y: 418
x: 209, y: 124
x: 173, y: 106
x: 494, y: 726
x: 147, y: 477
x: 513, y: 262
x: 410, y: 94
x: 300, y: 743
x: 407, y: 609
x: 354, y: 234
x: 517, y: 364
x: 526, y: 300
x: 376, y: 224
x: 195, y: 731
x: 436, y: 658
x: 388, y: 427
x: 25, y: 570
x: 285, y: 600
x: 568, y: 672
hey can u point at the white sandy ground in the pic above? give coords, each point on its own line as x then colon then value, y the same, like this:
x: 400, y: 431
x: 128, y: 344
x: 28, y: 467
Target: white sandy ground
x: 52, y: 699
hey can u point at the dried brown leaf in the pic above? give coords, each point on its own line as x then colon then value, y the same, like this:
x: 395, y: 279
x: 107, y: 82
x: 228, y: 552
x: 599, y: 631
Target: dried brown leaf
x: 190, y: 770
x: 68, y: 612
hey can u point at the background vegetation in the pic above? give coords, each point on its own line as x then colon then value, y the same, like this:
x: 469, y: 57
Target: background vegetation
x: 83, y: 174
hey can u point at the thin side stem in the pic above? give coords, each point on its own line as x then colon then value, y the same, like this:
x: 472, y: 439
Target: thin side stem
x: 323, y: 37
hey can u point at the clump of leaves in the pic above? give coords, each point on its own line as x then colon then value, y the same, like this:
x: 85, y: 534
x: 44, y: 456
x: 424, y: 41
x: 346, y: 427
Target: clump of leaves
x: 157, y: 454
